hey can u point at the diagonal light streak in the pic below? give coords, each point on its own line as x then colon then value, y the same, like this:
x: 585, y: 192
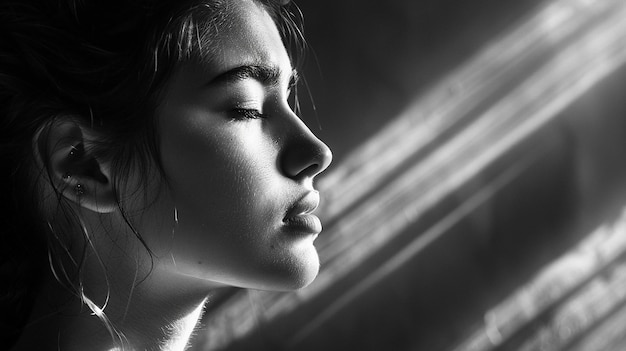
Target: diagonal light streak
x: 450, y: 102
x: 535, y: 101
x: 583, y: 273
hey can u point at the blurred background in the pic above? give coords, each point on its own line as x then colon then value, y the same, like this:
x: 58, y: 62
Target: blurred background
x: 477, y: 198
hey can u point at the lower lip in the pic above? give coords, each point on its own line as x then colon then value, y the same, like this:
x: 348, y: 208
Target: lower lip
x: 304, y: 223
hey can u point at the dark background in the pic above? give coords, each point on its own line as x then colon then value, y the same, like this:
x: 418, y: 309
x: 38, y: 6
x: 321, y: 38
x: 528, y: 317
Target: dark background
x: 370, y: 59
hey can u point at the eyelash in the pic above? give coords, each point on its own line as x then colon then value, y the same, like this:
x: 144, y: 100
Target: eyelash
x: 245, y: 113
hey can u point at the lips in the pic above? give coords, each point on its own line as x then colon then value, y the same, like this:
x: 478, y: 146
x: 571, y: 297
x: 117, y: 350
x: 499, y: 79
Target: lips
x: 299, y: 218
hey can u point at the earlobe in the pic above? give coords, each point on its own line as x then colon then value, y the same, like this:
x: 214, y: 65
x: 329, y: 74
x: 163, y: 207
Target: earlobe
x: 74, y: 171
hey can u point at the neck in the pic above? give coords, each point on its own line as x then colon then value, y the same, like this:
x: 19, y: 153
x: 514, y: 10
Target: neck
x: 131, y: 299
x: 178, y: 333
x: 160, y: 313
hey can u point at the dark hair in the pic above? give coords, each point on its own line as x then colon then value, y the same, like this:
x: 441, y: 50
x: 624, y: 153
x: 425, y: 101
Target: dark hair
x: 104, y: 63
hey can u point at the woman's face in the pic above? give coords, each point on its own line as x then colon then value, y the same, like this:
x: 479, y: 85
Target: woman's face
x: 239, y: 165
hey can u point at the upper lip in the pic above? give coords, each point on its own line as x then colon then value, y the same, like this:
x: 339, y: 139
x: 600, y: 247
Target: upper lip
x: 307, y: 204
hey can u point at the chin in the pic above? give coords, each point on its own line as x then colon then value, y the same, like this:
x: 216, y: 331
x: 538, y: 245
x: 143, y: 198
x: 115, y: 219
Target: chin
x: 293, y: 276
x: 305, y: 279
x: 304, y: 274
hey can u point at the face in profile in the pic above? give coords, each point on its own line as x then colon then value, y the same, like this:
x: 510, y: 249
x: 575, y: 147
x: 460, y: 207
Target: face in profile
x: 238, y: 164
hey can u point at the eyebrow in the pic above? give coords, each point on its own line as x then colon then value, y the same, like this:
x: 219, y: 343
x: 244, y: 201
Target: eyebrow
x: 266, y: 75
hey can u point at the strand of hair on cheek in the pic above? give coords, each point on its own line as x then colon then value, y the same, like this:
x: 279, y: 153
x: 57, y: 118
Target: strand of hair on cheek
x: 173, y: 234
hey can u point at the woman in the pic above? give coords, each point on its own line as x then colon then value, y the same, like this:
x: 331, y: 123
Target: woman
x: 151, y: 156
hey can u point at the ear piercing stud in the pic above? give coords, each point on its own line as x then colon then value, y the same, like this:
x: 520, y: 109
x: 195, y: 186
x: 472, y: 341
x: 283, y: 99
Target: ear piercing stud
x: 74, y: 150
x: 79, y: 190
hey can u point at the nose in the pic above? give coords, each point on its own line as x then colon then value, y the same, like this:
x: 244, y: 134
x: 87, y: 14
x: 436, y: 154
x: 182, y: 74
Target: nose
x: 304, y: 155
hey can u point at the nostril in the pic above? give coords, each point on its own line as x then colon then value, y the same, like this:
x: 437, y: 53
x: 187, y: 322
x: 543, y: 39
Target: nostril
x: 306, y: 160
x: 310, y: 171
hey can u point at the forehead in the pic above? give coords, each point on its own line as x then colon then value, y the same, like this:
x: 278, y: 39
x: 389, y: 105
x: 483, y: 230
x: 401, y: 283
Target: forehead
x: 247, y: 36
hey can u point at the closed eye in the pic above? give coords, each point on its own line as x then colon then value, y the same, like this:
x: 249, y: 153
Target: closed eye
x: 246, y: 113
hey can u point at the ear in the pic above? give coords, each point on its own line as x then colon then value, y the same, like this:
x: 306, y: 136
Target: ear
x: 64, y: 147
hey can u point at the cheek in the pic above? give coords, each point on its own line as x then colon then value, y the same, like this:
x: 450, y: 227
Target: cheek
x: 225, y: 189
x: 220, y: 174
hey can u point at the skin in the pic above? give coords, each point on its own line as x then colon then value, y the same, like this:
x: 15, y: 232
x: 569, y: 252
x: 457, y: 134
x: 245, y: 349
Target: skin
x: 233, y: 175
x: 237, y: 163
